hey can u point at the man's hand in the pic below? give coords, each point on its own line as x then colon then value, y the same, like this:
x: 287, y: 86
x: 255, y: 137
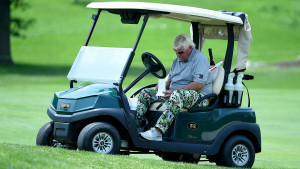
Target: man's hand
x: 168, y: 93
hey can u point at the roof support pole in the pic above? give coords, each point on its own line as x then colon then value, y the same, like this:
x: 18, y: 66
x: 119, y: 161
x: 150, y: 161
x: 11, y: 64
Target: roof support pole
x: 229, y: 52
x: 95, y: 18
x: 125, y: 70
x: 129, y: 61
x: 196, y: 33
x: 228, y: 59
x: 141, y: 31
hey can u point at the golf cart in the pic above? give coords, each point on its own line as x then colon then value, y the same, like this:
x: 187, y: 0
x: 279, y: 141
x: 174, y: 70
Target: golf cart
x: 99, y: 117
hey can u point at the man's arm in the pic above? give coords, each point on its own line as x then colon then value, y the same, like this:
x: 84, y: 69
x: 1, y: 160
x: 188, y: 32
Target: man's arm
x: 168, y: 82
x: 190, y: 86
x: 194, y: 86
x: 168, y: 92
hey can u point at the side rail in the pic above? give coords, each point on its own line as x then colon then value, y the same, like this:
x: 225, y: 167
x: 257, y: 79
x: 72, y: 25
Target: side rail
x: 213, y: 98
x: 144, y: 87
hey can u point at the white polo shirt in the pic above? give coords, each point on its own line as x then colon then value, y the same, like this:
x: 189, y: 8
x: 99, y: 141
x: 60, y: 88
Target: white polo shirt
x: 195, y: 69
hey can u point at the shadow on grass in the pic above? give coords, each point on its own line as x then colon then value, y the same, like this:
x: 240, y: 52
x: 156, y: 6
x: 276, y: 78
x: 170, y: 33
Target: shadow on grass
x: 50, y: 70
x: 35, y: 70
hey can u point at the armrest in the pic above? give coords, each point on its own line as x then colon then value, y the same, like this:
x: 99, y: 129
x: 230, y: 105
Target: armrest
x: 213, y: 103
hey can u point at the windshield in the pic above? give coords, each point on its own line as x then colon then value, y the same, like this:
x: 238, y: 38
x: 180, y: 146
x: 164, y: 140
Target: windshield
x: 99, y: 64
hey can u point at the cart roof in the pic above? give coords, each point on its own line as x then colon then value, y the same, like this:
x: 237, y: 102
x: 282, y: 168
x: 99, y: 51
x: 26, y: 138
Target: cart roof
x: 176, y: 12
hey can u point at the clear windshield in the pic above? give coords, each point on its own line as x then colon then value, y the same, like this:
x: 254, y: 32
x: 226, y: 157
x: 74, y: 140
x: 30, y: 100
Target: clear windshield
x: 99, y: 64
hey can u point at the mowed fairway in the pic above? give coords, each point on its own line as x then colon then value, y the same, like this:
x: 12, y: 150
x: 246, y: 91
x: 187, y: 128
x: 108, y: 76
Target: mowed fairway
x: 44, y: 57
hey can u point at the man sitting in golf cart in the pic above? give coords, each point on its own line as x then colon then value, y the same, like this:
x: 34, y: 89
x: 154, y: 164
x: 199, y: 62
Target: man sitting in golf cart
x: 188, y: 81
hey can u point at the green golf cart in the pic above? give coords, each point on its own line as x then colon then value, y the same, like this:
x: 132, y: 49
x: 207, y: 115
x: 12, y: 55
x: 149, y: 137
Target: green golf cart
x: 98, y: 116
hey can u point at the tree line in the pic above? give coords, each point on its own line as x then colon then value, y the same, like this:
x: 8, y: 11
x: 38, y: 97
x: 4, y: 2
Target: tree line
x: 11, y: 26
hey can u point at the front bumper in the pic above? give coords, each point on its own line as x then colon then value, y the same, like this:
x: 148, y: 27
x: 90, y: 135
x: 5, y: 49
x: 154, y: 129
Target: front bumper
x: 117, y: 113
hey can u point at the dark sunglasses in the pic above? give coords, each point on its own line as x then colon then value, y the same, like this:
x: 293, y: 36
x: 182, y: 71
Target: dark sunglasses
x: 181, y: 52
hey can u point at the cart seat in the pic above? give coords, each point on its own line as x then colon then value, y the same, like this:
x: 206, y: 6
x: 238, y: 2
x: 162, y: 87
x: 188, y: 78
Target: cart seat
x: 217, y: 76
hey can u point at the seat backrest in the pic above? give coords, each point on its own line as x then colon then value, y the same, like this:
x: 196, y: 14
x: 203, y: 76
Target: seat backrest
x: 217, y: 76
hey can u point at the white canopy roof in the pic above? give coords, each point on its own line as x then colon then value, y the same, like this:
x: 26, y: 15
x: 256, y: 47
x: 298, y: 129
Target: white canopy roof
x: 177, y: 12
x: 212, y: 24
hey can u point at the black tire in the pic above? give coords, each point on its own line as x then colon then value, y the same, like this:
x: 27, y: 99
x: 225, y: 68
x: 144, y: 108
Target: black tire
x: 45, y: 135
x: 99, y: 137
x: 238, y: 151
x: 179, y: 157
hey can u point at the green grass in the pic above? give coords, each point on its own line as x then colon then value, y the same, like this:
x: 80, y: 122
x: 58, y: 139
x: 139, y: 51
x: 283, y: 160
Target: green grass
x: 61, y: 28
x: 23, y: 111
x: 44, y: 57
x: 17, y: 156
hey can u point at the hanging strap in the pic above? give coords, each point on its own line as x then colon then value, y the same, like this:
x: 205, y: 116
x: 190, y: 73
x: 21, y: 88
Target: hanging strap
x: 248, y: 94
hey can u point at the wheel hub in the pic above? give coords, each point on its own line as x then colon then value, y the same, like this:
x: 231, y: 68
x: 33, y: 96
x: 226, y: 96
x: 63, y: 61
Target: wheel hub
x: 102, y: 143
x: 240, y: 155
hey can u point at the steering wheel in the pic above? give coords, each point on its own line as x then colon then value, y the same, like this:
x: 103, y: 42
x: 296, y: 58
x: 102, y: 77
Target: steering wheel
x: 153, y: 65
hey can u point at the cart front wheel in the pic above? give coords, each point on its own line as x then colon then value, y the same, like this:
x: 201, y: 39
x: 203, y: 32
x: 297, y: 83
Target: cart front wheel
x: 45, y: 135
x: 99, y: 137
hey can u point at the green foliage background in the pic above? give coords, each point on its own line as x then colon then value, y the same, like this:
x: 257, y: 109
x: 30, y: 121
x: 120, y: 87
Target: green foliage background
x: 44, y: 57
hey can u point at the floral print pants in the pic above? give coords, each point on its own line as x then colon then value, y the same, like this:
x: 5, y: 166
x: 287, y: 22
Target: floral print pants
x: 177, y: 100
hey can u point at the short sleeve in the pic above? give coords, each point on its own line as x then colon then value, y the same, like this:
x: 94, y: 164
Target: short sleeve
x: 201, y: 69
x: 172, y: 69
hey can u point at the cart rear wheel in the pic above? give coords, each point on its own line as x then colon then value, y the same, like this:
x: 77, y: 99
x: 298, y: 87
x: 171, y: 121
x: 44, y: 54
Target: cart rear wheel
x: 238, y: 151
x: 99, y: 137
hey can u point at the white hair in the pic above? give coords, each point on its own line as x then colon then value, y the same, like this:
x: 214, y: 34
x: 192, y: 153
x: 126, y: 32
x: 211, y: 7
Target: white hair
x: 183, y: 41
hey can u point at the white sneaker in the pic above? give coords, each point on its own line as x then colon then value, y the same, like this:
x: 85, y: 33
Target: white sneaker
x: 152, y: 134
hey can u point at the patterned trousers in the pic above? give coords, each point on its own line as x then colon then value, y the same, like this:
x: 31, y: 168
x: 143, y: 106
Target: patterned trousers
x: 177, y: 100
